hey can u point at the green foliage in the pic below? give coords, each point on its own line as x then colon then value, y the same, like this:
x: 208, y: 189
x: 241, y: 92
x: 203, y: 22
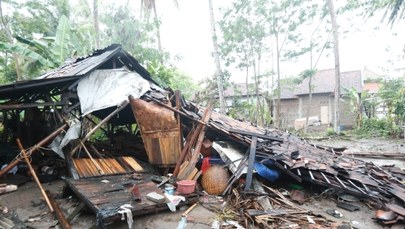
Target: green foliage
x: 45, y: 36
x: 356, y: 103
x: 307, y: 73
x: 184, y: 83
x: 24, y: 51
x: 241, y: 109
x: 173, y: 78
x: 137, y: 37
x: 330, y: 132
x: 393, y: 95
x: 243, y: 35
x: 377, y: 128
x: 394, y: 9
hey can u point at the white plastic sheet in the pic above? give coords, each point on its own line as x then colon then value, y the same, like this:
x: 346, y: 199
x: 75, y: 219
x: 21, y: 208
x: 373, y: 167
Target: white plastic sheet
x: 73, y: 133
x: 106, y: 88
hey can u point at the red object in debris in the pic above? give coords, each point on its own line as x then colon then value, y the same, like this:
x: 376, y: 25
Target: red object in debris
x: 136, y: 194
x: 186, y: 186
x: 205, y: 164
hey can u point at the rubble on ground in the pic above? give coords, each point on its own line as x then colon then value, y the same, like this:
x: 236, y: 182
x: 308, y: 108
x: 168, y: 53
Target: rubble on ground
x: 178, y: 156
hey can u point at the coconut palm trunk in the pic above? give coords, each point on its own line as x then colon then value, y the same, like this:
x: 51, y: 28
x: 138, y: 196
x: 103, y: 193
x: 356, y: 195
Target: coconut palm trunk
x: 336, y: 121
x: 218, y: 72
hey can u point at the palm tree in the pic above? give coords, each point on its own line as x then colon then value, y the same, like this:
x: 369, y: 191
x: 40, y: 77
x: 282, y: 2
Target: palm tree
x: 148, y: 6
x: 218, y: 72
x: 397, y: 8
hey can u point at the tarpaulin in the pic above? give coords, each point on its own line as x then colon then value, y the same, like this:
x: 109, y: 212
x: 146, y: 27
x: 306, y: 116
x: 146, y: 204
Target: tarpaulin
x: 106, y: 88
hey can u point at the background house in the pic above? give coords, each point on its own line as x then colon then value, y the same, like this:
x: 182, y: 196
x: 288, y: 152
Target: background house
x: 294, y: 98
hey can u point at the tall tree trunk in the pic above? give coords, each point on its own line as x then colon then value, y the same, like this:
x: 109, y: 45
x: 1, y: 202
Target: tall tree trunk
x: 278, y: 118
x: 141, y: 10
x: 309, y: 103
x: 96, y: 23
x: 309, y: 89
x: 218, y: 72
x: 257, y: 91
x: 260, y: 102
x: 157, y: 29
x: 247, y: 83
x: 332, y: 13
x: 10, y: 38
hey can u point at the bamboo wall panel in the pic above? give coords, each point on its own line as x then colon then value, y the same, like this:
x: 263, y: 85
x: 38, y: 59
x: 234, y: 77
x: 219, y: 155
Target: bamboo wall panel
x: 160, y: 132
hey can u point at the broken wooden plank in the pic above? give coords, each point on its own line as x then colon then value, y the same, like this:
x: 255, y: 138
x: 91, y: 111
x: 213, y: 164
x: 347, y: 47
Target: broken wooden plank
x: 251, y: 162
x: 197, y: 175
x: 256, y: 134
x: 30, y: 105
x: 75, y: 212
x: 189, y: 142
x: 58, y: 212
x: 200, y: 139
x: 178, y: 105
x: 192, y: 174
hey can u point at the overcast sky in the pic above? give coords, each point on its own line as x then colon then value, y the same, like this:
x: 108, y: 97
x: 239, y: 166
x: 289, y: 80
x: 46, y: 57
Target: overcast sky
x: 186, y: 32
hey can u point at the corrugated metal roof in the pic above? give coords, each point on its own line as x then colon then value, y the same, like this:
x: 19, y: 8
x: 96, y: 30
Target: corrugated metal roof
x: 83, y: 65
x: 71, y: 72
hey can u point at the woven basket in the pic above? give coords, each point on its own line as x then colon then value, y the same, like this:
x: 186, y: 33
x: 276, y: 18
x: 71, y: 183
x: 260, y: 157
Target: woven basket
x: 214, y: 180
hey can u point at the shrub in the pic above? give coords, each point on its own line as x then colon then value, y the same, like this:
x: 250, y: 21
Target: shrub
x: 378, y: 128
x: 330, y: 131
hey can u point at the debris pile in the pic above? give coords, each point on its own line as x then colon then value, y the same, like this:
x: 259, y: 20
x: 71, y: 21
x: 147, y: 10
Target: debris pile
x: 134, y: 149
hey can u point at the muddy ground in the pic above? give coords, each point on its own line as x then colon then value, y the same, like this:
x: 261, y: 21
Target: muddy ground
x: 24, y: 207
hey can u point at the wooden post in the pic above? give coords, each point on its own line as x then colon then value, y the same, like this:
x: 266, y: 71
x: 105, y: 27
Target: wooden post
x: 34, y: 175
x: 58, y: 212
x: 119, y: 108
x: 178, y: 105
x: 33, y: 149
x: 252, y: 156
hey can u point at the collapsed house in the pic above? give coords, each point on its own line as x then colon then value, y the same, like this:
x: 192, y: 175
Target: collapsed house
x: 109, y: 92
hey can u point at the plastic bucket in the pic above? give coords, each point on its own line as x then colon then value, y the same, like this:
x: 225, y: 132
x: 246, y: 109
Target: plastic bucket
x: 186, y: 186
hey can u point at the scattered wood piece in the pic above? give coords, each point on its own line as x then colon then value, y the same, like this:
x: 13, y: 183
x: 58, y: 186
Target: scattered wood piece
x: 197, y: 175
x: 347, y: 206
x: 181, y: 175
x: 6, y: 223
x: 58, y: 212
x: 75, y: 212
x: 34, y: 175
x: 192, y: 174
x: 196, y: 153
x: 8, y: 188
